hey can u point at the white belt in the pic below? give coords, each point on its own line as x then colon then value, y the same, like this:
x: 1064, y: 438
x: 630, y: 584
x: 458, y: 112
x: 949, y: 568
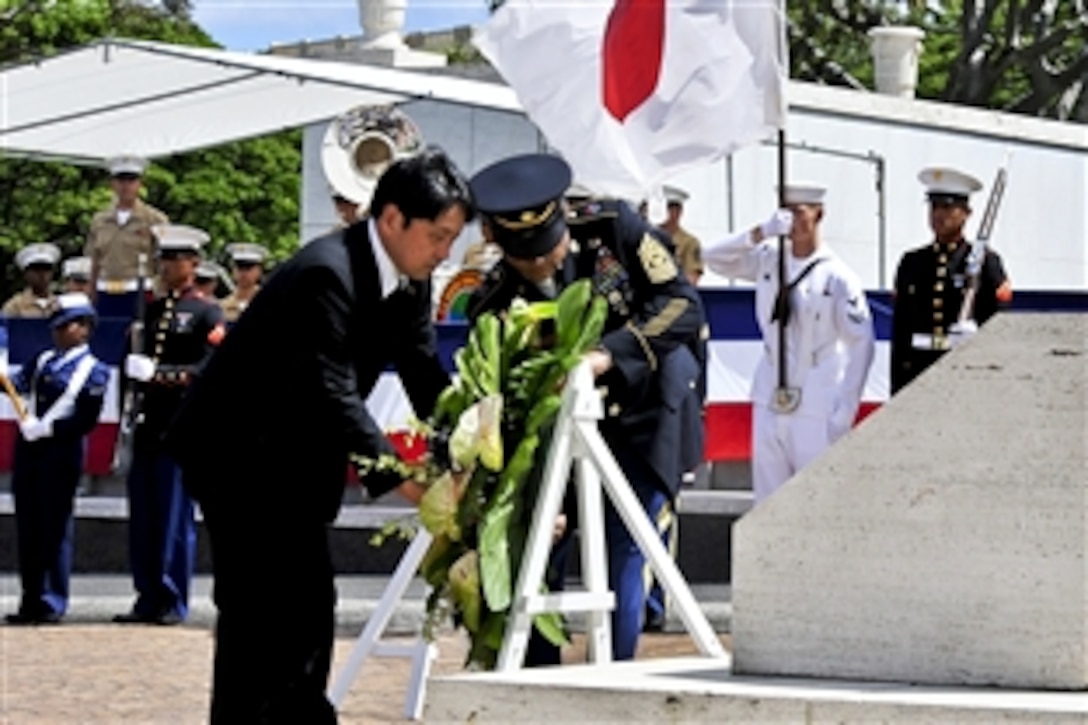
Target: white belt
x: 922, y: 341
x: 118, y: 286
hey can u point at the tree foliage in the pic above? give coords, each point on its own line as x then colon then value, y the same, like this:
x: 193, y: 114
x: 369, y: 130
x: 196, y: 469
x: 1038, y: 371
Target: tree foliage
x: 1023, y: 56
x: 240, y: 192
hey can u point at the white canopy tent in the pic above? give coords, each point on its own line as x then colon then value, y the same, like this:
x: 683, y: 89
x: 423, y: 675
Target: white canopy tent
x: 156, y: 99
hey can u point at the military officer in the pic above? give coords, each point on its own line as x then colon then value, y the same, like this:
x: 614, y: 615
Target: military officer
x: 181, y: 330
x: 65, y: 386
x: 76, y: 275
x: 650, y: 359
x: 118, y: 236
x: 688, y: 249
x: 247, y: 261
x: 37, y: 261
x: 931, y: 280
x: 829, y: 337
x: 207, y: 277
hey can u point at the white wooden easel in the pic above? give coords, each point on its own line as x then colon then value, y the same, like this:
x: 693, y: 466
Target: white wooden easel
x: 370, y: 644
x: 577, y: 440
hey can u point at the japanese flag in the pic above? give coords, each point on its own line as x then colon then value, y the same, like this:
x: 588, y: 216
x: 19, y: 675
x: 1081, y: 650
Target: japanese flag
x: 632, y: 92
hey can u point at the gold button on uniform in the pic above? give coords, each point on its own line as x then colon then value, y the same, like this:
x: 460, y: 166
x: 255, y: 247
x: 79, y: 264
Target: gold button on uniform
x: 939, y: 287
x: 938, y: 303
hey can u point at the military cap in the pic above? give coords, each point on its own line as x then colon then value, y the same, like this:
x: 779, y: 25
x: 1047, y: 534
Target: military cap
x: 38, y: 254
x: 521, y: 198
x: 245, y: 253
x: 77, y: 268
x: 208, y: 269
x: 126, y: 165
x: 804, y: 192
x: 675, y: 195
x: 946, y: 185
x: 71, y: 306
x: 180, y: 238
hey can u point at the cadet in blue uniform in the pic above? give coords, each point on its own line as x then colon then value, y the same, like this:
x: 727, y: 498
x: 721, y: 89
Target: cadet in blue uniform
x: 181, y: 329
x: 651, y: 357
x: 65, y: 386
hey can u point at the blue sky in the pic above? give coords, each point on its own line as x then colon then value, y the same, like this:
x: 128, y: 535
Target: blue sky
x: 257, y: 24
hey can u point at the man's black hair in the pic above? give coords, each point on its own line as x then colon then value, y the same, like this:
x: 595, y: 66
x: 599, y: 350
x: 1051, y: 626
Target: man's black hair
x: 423, y: 186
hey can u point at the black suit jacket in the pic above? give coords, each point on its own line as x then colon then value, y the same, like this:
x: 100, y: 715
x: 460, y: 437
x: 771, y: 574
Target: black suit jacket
x: 285, y: 393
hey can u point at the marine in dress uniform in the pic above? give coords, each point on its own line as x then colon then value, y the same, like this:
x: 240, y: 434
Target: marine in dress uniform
x: 247, y: 261
x: 36, y: 301
x: 207, y: 278
x: 76, y: 274
x: 931, y: 280
x: 65, y: 386
x: 829, y: 337
x: 118, y: 235
x: 181, y: 329
x: 688, y: 248
x: 651, y: 357
x: 290, y: 383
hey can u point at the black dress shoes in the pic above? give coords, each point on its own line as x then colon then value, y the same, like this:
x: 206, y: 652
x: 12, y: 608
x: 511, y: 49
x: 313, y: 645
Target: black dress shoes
x: 23, y: 619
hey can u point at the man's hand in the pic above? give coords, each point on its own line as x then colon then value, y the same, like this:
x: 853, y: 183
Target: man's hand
x: 600, y: 361
x: 778, y: 225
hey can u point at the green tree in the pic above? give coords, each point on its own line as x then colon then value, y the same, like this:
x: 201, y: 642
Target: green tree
x: 241, y: 192
x: 1023, y: 56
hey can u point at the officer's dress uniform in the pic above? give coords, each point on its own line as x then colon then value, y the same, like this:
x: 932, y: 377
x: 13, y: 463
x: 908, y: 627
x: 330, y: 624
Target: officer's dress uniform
x: 829, y: 349
x: 930, y: 283
x: 65, y: 389
x: 656, y: 334
x: 181, y: 329
x: 689, y: 253
x: 653, y: 404
x: 26, y: 304
x: 234, y: 304
x: 116, y: 239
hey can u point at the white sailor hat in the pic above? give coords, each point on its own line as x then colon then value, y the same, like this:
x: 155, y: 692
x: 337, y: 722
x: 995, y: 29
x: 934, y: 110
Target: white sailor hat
x: 126, y: 164
x: 41, y: 253
x: 246, y: 253
x: 944, y: 184
x: 76, y: 268
x: 208, y: 269
x: 71, y: 306
x: 180, y: 238
x: 804, y: 192
x: 674, y: 195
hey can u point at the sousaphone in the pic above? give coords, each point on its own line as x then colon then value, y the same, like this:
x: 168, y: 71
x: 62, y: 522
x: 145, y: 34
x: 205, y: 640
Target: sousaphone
x: 361, y: 144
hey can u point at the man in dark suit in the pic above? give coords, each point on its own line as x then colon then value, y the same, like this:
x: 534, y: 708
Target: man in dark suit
x: 289, y: 384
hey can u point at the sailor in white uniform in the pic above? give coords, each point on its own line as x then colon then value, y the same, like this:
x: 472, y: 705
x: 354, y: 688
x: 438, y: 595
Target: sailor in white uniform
x: 829, y: 337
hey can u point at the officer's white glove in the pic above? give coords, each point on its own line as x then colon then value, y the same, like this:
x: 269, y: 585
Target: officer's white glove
x: 4, y: 371
x: 139, y: 367
x: 34, y: 429
x: 961, y: 332
x: 778, y: 225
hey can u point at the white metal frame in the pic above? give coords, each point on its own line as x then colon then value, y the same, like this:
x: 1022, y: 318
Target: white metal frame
x: 577, y: 440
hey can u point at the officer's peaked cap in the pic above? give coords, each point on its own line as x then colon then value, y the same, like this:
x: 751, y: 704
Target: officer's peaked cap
x: 247, y: 253
x: 42, y: 253
x: 77, y: 268
x: 521, y: 198
x: 126, y: 164
x: 71, y: 306
x: 944, y: 184
x: 180, y: 238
